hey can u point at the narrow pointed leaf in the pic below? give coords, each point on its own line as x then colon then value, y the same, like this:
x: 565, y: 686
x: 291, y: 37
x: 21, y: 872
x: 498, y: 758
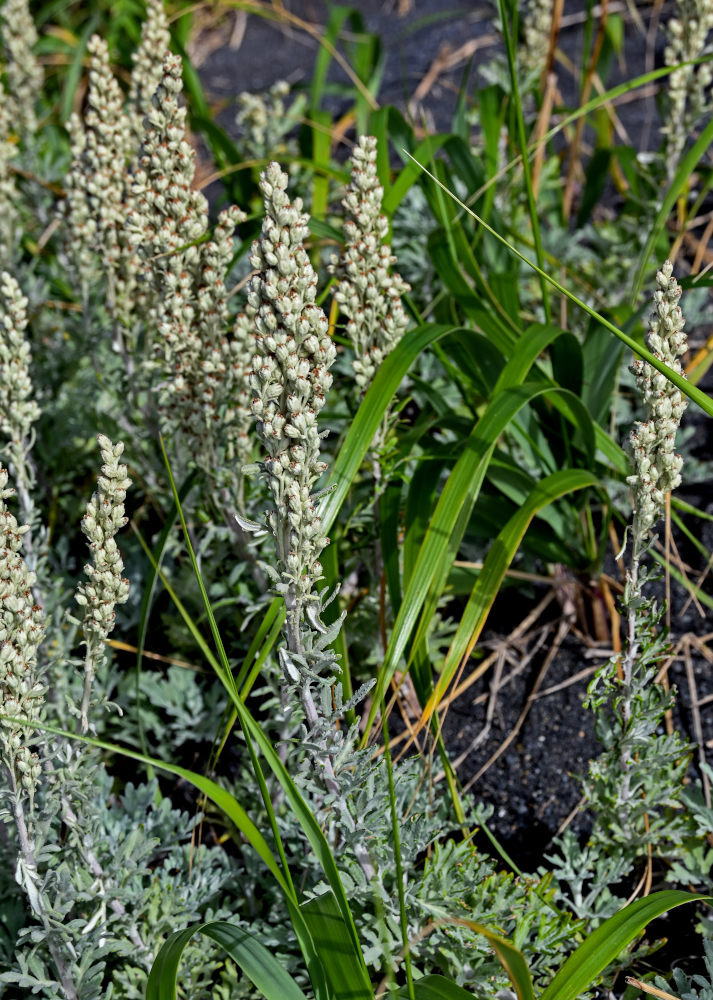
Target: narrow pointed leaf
x: 692, y: 392
x: 248, y: 953
x: 436, y: 988
x: 497, y: 562
x: 450, y: 520
x: 607, y: 942
x: 335, y: 948
x: 372, y: 409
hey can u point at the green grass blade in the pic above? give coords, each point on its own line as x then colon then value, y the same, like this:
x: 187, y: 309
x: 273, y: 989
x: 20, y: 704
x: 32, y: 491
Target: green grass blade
x: 74, y: 72
x: 265, y: 650
x: 455, y: 505
x: 249, y: 954
x: 447, y: 527
x: 436, y: 988
x: 275, y: 611
x: 680, y: 179
x: 389, y: 512
x: 419, y: 505
x: 495, y: 566
x: 511, y: 959
x: 321, y: 140
x: 606, y: 943
x: 337, y: 16
x: 335, y: 948
x: 147, y: 599
x: 425, y: 150
x: 573, y: 409
x: 371, y: 412
x: 520, y: 121
x: 691, y: 391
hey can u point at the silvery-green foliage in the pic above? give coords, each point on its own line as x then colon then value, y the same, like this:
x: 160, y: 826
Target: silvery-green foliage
x: 588, y: 874
x: 694, y: 987
x: 693, y: 862
x: 125, y: 876
x: 24, y: 73
x: 688, y: 89
x: 368, y: 291
x: 634, y: 787
x: 412, y: 225
x: 176, y: 707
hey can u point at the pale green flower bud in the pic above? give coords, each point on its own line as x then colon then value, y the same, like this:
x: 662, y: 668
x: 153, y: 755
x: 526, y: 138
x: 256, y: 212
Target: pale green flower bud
x: 369, y: 295
x: 21, y: 632
x: 105, y: 587
x: 688, y: 85
x: 18, y: 409
x: 656, y: 466
x: 24, y: 73
x: 148, y: 64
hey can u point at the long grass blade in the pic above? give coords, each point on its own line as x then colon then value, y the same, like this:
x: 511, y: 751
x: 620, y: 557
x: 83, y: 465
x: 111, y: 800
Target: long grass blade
x: 371, y: 412
x: 691, y: 391
x: 495, y: 566
x: 682, y: 176
x: 606, y: 943
x: 250, y: 955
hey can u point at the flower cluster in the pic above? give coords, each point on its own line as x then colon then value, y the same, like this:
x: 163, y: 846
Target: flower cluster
x: 633, y: 785
x: 368, y: 293
x: 536, y: 27
x: 95, y: 205
x: 652, y: 443
x: 167, y: 214
x: 8, y: 191
x: 289, y: 380
x: 264, y: 120
x: 21, y: 632
x: 239, y: 415
x: 687, y: 34
x: 24, y: 73
x: 148, y: 65
x: 105, y: 587
x: 169, y: 226
x: 18, y: 409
